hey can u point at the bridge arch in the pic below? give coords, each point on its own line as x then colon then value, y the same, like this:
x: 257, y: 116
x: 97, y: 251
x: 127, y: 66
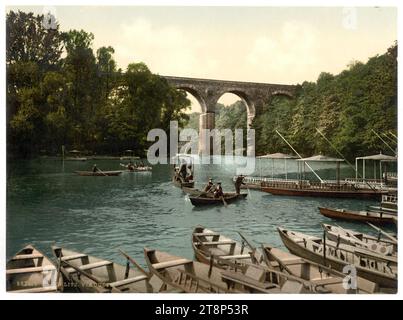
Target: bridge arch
x: 195, y: 93
x: 250, y: 105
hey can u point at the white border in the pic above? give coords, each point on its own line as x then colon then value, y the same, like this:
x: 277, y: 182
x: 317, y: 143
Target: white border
x: 238, y: 297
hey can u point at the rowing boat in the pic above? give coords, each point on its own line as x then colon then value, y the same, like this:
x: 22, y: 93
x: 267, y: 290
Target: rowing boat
x: 98, y: 173
x: 326, y: 193
x: 361, y: 240
x: 292, y: 274
x: 375, y: 268
x: 183, y: 274
x: 136, y: 168
x: 31, y: 271
x: 207, y: 243
x: 178, y: 183
x: 207, y: 199
x: 75, y: 159
x: 365, y: 216
x: 91, y: 274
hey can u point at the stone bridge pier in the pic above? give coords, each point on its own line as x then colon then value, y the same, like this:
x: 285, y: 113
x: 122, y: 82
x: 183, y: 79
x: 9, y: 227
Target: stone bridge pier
x: 207, y: 92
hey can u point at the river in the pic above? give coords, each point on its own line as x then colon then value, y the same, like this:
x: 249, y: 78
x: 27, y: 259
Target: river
x: 48, y: 204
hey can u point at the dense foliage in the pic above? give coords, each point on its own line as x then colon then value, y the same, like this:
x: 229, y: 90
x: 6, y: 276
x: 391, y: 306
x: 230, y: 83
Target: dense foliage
x: 59, y: 92
x: 347, y: 108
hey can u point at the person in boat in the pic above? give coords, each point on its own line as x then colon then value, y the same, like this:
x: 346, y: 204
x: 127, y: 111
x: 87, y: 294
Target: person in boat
x: 183, y: 171
x: 238, y: 183
x: 218, y: 192
x: 190, y: 173
x: 130, y: 166
x: 209, y: 186
x: 95, y: 168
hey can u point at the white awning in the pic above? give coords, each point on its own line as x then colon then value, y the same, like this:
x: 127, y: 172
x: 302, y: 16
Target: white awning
x: 321, y: 158
x: 277, y: 155
x: 379, y: 157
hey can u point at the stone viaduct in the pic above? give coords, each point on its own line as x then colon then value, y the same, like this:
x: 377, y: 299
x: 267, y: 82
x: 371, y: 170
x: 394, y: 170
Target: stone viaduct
x: 208, y: 92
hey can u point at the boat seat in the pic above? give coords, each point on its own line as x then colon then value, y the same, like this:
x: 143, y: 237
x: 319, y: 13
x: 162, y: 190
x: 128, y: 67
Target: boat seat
x: 326, y: 281
x: 74, y: 257
x: 36, y: 290
x: 204, y: 234
x: 128, y: 281
x: 235, y: 256
x: 27, y: 256
x: 247, y: 281
x: 213, y: 243
x: 171, y: 263
x: 90, y: 266
x: 30, y: 270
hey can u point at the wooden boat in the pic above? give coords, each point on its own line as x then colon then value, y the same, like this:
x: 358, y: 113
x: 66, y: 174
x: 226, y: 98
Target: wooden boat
x: 290, y: 273
x: 136, y: 168
x: 75, y: 159
x: 193, y: 191
x: 360, y: 240
x: 365, y: 216
x: 207, y: 243
x: 183, y: 274
x: 375, y: 268
x: 314, y: 189
x: 31, y: 271
x: 208, y: 199
x: 91, y: 274
x: 178, y: 183
x: 98, y: 173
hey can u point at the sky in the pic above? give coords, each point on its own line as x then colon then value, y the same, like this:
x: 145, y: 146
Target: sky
x: 285, y: 45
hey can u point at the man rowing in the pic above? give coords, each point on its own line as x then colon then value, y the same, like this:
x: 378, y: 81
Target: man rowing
x: 218, y: 192
x: 238, y: 183
x: 94, y: 168
x: 130, y: 166
x: 209, y: 186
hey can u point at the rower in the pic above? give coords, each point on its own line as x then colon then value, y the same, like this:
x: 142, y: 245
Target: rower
x: 190, y: 176
x: 218, y: 193
x: 94, y: 168
x: 238, y: 183
x: 209, y: 186
x: 182, y: 171
x: 130, y: 166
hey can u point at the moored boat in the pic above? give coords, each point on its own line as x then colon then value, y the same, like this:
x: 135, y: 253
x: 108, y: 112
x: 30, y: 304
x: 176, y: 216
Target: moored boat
x: 94, y: 275
x: 207, y: 243
x: 207, y: 199
x: 270, y: 266
x: 183, y: 274
x: 377, y: 269
x: 321, y: 190
x: 376, y: 244
x: 364, y: 216
x: 30, y: 271
x: 98, y: 173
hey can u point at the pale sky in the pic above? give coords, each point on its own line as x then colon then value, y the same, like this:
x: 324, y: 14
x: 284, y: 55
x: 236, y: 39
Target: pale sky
x: 260, y: 44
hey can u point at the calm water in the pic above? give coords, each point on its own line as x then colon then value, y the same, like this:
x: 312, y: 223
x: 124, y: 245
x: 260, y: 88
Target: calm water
x: 48, y: 204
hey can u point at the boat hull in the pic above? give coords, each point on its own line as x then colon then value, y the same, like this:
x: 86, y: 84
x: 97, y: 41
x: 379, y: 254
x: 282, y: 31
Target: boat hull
x: 294, y: 248
x: 204, y: 201
x: 359, y: 194
x: 98, y: 174
x: 354, y: 216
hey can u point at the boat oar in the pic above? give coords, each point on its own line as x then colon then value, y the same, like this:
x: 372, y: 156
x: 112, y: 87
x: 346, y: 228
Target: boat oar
x: 252, y: 247
x: 135, y: 263
x: 268, y: 255
x: 387, y: 235
x: 90, y: 276
x: 223, y: 201
x: 102, y: 172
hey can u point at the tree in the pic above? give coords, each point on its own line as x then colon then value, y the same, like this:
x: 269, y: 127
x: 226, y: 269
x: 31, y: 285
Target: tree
x: 28, y: 40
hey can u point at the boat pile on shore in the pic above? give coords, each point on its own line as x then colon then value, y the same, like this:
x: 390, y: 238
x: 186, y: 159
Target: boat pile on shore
x: 343, y: 261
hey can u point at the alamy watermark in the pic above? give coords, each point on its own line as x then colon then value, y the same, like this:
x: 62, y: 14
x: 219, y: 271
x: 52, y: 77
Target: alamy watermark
x: 207, y: 144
